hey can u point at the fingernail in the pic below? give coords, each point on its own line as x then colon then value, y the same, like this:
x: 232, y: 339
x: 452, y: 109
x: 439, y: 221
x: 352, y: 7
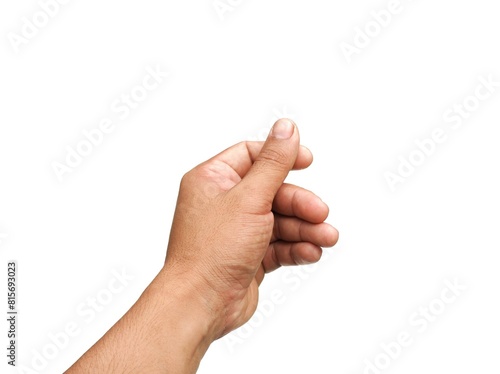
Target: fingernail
x: 283, y: 129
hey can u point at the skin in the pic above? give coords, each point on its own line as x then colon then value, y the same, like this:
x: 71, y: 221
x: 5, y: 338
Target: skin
x: 235, y: 221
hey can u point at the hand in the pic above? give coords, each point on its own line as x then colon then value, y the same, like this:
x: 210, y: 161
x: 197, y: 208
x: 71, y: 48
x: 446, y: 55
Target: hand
x: 236, y: 220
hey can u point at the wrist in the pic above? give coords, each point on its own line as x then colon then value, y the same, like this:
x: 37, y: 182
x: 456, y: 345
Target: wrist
x: 186, y: 315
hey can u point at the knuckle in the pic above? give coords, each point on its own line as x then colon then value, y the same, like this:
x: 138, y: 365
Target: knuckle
x: 274, y: 156
x: 186, y: 178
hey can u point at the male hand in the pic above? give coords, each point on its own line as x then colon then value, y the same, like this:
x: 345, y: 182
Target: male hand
x: 236, y: 220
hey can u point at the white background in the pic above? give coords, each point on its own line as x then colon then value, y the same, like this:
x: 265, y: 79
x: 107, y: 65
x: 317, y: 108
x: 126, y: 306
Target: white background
x: 229, y: 80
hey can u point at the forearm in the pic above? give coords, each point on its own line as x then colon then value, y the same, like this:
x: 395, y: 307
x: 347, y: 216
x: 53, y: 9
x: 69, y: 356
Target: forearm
x: 166, y: 331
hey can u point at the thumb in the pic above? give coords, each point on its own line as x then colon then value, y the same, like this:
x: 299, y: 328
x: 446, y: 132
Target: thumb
x: 272, y: 165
